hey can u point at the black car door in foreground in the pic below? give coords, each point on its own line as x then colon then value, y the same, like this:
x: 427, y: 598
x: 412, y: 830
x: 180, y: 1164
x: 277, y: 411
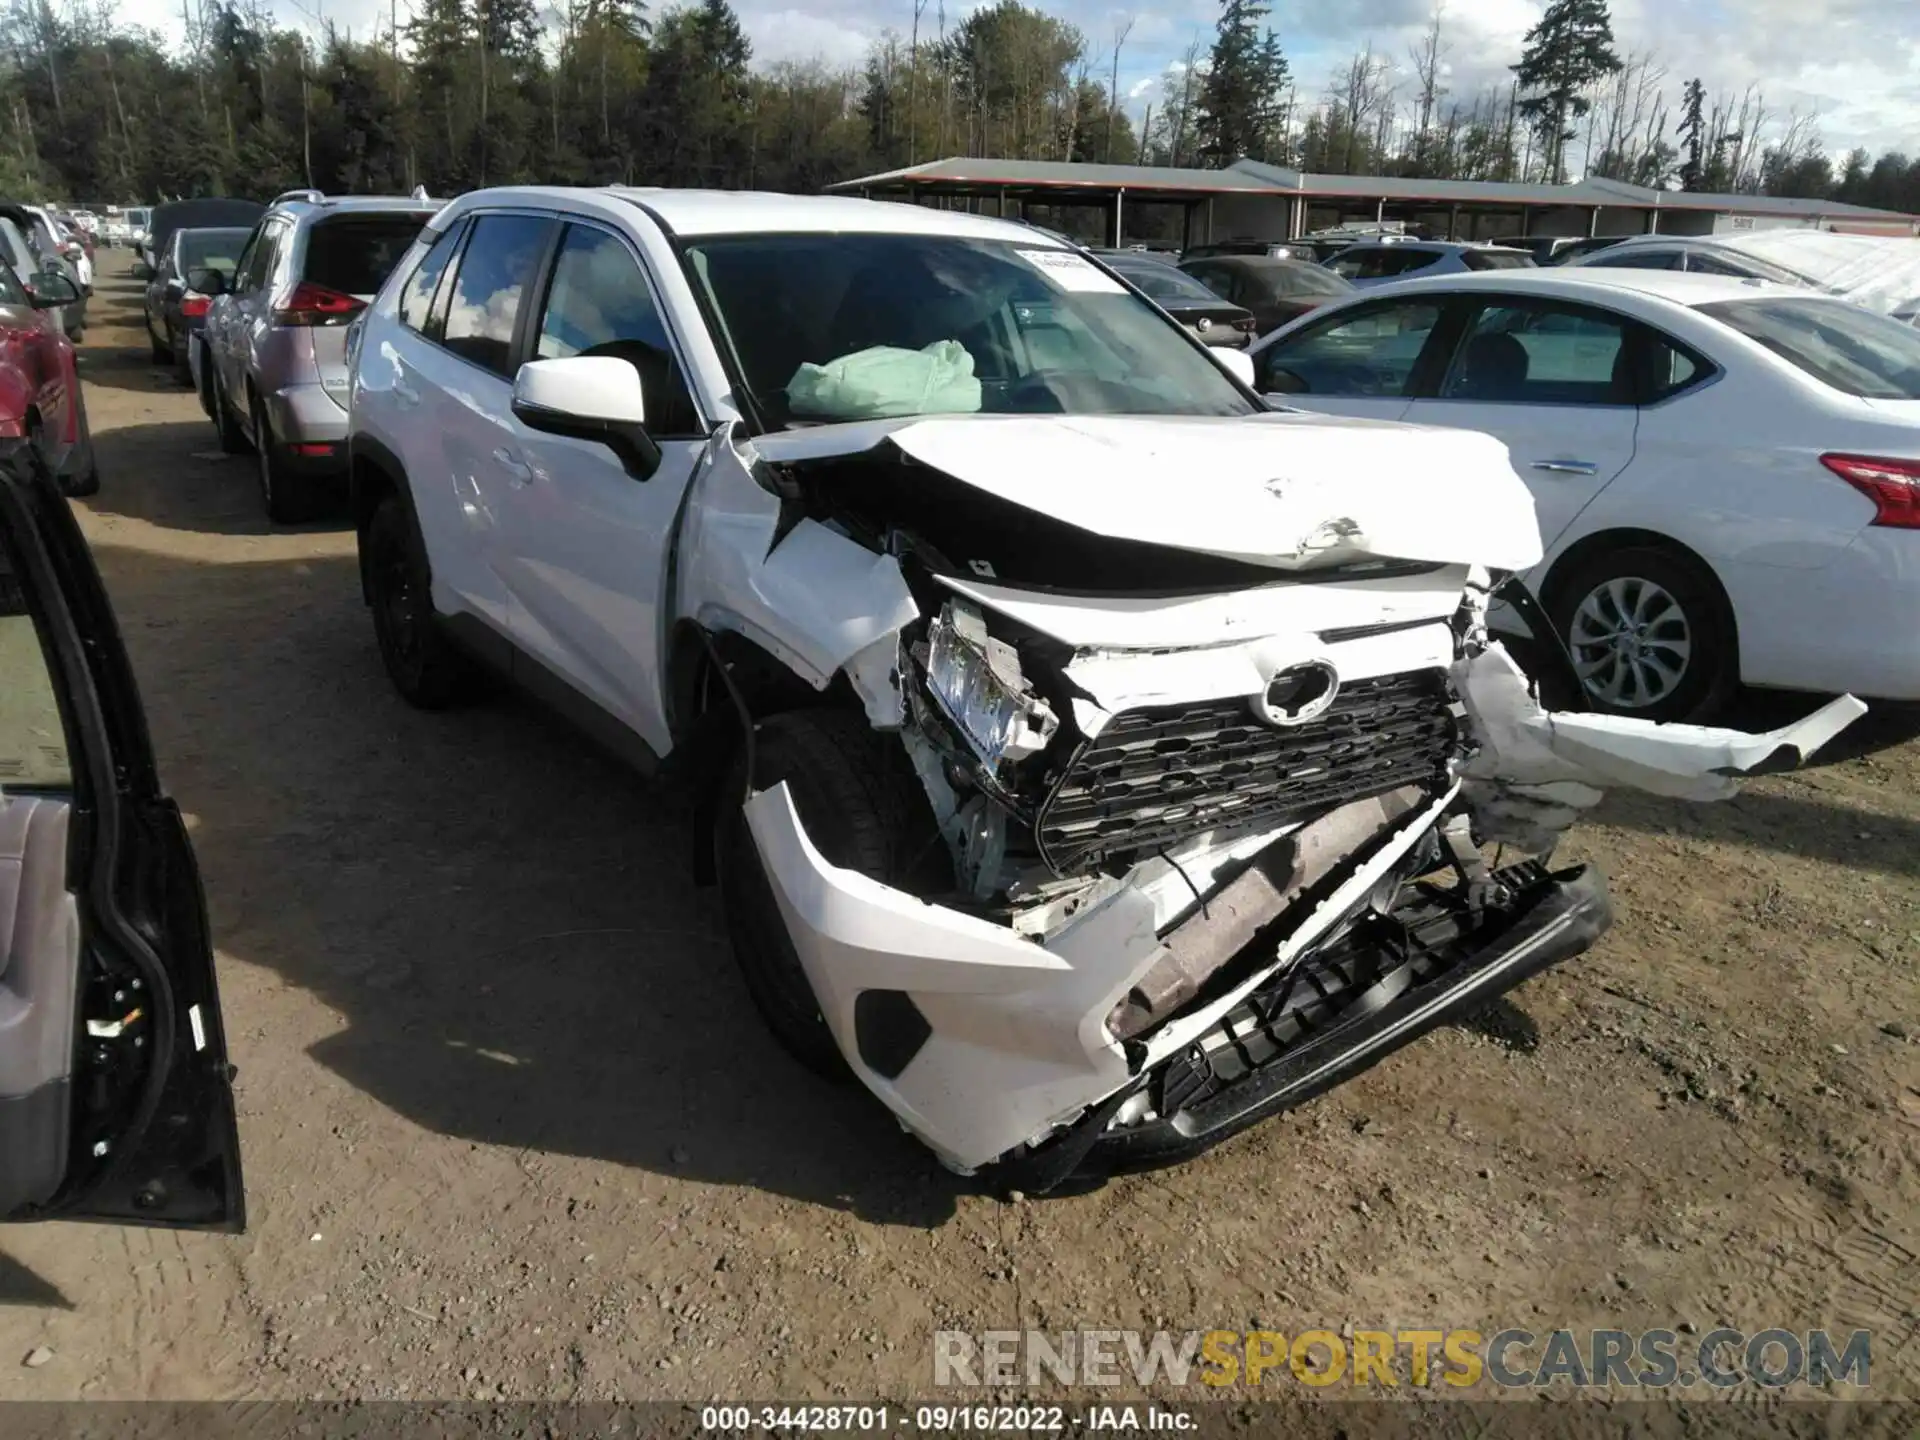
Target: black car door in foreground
x: 116, y: 1101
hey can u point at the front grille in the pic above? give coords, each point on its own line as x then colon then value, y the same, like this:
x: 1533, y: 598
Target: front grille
x: 1159, y: 775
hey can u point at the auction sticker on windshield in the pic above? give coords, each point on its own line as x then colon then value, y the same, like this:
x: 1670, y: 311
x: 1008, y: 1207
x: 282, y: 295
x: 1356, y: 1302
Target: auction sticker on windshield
x: 1072, y: 272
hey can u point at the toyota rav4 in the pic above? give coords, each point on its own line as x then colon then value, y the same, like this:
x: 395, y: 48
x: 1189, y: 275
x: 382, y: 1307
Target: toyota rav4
x: 1091, y: 760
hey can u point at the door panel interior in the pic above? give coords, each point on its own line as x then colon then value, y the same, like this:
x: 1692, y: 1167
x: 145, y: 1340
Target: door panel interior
x: 39, y: 992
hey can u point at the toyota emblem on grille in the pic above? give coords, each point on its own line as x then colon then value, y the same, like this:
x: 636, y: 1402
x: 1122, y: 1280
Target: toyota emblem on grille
x: 1298, y: 694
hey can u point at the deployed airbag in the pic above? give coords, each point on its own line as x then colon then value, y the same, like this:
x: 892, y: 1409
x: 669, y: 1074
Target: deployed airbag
x: 885, y: 381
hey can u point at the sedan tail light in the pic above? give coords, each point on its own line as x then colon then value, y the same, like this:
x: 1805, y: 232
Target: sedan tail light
x: 1892, y: 485
x: 194, y: 303
x: 311, y: 304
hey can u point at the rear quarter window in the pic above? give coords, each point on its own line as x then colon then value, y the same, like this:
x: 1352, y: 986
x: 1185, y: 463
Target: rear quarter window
x: 1841, y: 345
x: 354, y: 254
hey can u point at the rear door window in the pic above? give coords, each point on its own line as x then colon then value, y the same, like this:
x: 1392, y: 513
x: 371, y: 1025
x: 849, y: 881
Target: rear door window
x: 354, y: 254
x: 1542, y: 354
x: 496, y: 270
x: 416, y: 296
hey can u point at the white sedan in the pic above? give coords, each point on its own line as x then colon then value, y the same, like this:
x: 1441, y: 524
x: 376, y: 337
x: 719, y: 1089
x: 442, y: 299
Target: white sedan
x: 1726, y: 472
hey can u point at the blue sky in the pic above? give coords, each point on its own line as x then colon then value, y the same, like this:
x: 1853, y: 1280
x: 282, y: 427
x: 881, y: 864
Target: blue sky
x: 1854, y: 62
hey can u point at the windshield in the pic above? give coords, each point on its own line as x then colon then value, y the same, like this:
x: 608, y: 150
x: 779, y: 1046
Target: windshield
x: 855, y: 327
x: 211, y: 250
x: 1839, y: 344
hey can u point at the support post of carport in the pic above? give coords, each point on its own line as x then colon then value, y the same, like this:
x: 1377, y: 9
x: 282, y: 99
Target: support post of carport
x: 1593, y: 222
x: 1119, y: 216
x: 1453, y: 222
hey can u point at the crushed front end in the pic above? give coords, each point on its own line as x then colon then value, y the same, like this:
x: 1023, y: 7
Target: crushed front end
x: 1213, y: 841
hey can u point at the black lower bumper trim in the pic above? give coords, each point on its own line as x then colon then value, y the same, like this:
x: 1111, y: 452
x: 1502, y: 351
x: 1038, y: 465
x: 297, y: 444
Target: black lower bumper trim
x: 1553, y: 919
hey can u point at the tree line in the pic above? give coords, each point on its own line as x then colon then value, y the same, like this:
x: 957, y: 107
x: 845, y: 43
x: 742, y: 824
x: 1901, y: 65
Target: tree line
x: 453, y: 94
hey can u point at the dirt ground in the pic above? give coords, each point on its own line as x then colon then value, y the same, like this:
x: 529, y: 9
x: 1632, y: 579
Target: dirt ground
x: 512, y: 1129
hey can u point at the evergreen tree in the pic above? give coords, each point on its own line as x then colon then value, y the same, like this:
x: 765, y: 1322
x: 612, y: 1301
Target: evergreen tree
x: 1241, y: 94
x: 1565, y: 53
x: 1693, y: 136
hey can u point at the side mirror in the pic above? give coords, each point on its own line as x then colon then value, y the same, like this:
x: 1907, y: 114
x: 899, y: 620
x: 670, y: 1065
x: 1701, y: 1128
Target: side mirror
x: 589, y: 397
x: 51, y: 290
x: 1237, y: 363
x: 142, y: 270
x: 207, y: 282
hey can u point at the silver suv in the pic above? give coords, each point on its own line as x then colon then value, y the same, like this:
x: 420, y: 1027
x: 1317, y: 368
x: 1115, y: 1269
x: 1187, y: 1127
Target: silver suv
x: 273, y: 371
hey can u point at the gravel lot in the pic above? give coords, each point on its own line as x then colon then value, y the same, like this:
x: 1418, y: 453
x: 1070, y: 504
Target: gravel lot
x: 512, y: 1129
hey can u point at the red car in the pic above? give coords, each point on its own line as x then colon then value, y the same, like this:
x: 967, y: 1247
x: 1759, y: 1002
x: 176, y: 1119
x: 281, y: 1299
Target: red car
x: 40, y: 395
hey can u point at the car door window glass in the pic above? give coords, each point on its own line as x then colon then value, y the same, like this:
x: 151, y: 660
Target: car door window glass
x: 1542, y: 355
x: 416, y: 296
x: 495, y: 270
x: 33, y: 740
x: 1370, y: 353
x: 599, y: 304
x: 1638, y: 260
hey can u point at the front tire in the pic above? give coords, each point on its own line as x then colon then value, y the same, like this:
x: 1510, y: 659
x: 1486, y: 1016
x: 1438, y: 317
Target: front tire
x: 424, y: 666
x: 1650, y: 632
x: 862, y: 809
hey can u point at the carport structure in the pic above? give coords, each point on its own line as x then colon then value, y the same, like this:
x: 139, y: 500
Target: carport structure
x: 1254, y: 200
x: 1014, y: 188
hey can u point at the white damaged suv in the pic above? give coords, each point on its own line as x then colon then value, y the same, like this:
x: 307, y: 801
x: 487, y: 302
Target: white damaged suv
x: 1092, y: 761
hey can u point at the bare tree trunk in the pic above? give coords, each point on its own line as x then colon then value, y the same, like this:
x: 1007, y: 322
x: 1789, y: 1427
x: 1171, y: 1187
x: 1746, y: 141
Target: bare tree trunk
x: 1113, y: 87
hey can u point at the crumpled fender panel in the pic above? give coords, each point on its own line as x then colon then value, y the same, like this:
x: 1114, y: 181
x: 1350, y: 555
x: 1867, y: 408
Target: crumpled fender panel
x: 814, y: 599
x: 1536, y: 770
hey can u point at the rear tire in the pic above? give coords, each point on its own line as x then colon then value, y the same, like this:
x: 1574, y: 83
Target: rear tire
x: 862, y: 809
x: 287, y: 498
x: 1650, y: 632
x: 425, y: 667
x: 159, y: 353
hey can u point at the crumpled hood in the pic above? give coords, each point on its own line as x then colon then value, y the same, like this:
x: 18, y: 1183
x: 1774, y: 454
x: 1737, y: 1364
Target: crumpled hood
x: 1287, y: 490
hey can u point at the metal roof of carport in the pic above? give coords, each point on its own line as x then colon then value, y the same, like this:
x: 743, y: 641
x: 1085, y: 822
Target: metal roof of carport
x: 1281, y: 179
x: 961, y: 173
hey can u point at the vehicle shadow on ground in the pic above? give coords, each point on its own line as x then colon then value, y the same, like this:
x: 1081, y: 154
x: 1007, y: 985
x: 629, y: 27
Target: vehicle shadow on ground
x: 504, y: 917
x: 173, y: 474
x: 23, y: 1287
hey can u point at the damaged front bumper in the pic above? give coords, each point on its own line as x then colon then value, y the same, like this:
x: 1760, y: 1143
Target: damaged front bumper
x: 1331, y: 1016
x: 1239, y: 973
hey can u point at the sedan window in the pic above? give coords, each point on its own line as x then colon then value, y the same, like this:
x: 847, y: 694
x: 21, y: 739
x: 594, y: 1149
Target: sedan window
x: 1633, y: 258
x: 1368, y: 353
x: 1855, y: 351
x: 1542, y: 355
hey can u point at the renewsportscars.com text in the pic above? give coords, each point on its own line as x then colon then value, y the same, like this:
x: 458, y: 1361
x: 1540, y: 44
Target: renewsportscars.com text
x: 1461, y: 1359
